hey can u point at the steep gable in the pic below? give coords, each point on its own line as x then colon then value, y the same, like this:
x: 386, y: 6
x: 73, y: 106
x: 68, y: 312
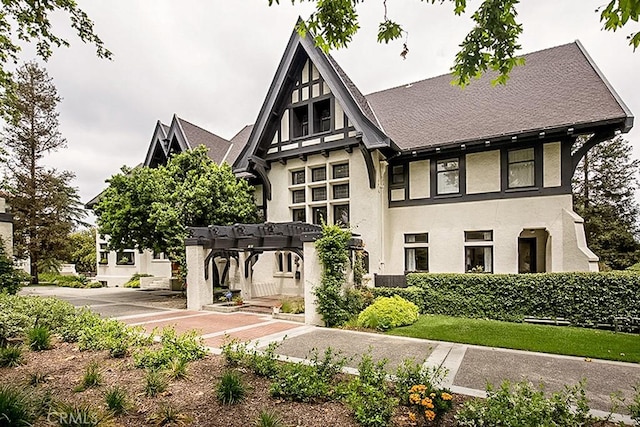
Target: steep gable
x: 157, y: 152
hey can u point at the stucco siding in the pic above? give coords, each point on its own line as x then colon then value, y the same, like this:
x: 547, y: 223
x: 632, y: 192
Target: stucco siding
x: 483, y: 172
x: 419, y: 179
x: 552, y: 163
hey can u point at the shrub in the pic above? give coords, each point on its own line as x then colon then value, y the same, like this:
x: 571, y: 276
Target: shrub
x: 329, y: 365
x: 388, y: 312
x: 16, y: 408
x: 269, y: 419
x: 410, y: 373
x: 262, y: 362
x: 10, y: 356
x: 112, y: 335
x: 155, y: 382
x: 300, y: 383
x: 634, y: 407
x: 116, y: 400
x: 10, y: 278
x: 427, y: 403
x: 39, y: 338
x: 188, y: 346
x: 177, y: 369
x: 230, y: 389
x: 63, y: 281
x: 92, y: 377
x: 522, y: 404
x: 134, y: 281
x: 292, y: 305
x: 585, y: 299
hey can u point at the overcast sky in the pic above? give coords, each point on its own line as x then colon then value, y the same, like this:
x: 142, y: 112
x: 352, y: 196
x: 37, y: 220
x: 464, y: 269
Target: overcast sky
x: 212, y: 61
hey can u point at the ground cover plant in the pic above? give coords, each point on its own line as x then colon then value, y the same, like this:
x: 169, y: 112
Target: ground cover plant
x: 134, y: 281
x: 521, y: 336
x: 71, y: 281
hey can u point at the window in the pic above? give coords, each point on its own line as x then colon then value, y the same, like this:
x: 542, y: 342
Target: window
x: 298, y: 196
x: 448, y: 176
x: 125, y: 258
x: 341, y: 191
x: 521, y: 168
x: 416, y: 252
x: 341, y: 215
x: 479, y: 257
x: 416, y: 238
x: 319, y: 215
x: 297, y: 177
x: 397, y: 174
x: 319, y: 194
x: 299, y: 215
x: 341, y: 171
x: 284, y: 262
x: 322, y: 116
x: 104, y: 254
x: 319, y: 174
x: 300, y: 121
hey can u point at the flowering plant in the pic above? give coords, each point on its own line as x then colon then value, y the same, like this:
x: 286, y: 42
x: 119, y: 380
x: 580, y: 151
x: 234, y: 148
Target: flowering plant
x: 427, y: 405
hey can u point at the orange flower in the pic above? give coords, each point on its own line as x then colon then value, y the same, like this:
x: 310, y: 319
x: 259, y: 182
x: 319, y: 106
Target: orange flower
x: 427, y: 403
x: 433, y: 395
x: 412, y: 417
x: 446, y: 396
x: 429, y: 415
x: 414, y: 398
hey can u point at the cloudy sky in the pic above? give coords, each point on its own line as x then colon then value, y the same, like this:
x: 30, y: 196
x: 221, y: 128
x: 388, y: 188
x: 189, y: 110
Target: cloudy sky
x: 211, y: 62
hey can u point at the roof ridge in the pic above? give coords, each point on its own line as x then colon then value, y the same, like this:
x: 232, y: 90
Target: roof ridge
x: 449, y: 74
x: 240, y: 131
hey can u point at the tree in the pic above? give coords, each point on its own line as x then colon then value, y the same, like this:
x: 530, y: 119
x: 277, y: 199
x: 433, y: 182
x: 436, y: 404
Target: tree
x: 29, y: 21
x: 45, y: 207
x: 151, y: 208
x: 81, y: 250
x: 491, y: 45
x: 10, y: 278
x: 604, y: 195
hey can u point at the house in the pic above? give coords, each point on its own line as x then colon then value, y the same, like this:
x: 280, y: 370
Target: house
x: 432, y: 177
x: 116, y: 268
x: 6, y: 228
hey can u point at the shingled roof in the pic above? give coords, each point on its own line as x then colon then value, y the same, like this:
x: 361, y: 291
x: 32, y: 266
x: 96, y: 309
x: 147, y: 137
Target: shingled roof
x: 556, y: 87
x: 195, y: 135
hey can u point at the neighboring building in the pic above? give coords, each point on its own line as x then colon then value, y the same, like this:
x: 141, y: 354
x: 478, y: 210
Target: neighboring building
x: 6, y: 229
x: 432, y: 177
x: 116, y: 268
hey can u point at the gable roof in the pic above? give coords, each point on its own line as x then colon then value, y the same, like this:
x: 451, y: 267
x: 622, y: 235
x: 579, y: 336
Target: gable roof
x: 195, y: 136
x: 238, y: 142
x: 340, y: 85
x: 557, y: 87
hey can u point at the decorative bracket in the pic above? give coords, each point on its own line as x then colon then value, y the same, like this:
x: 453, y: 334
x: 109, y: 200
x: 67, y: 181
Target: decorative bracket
x: 368, y: 160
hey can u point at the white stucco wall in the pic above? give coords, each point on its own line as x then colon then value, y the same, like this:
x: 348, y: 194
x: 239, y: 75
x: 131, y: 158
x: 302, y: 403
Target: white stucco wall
x: 446, y: 224
x: 483, y: 172
x: 552, y: 166
x: 6, y: 231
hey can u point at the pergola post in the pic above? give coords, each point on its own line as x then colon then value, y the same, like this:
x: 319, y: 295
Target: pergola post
x: 199, y: 290
x: 312, y: 278
x: 246, y: 281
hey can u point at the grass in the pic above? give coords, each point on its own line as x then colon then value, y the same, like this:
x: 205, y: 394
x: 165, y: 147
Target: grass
x: 569, y: 341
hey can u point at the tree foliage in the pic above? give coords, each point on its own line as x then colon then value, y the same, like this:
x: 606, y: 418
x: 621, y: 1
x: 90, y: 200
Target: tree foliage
x: 10, y: 278
x: 604, y: 195
x: 45, y: 207
x: 492, y: 44
x: 80, y: 249
x: 30, y: 21
x: 151, y: 208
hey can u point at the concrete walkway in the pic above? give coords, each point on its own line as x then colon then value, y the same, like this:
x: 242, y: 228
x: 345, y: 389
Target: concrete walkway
x: 470, y: 367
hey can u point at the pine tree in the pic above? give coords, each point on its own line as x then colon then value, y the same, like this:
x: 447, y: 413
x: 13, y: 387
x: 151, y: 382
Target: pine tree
x: 604, y: 188
x: 45, y: 207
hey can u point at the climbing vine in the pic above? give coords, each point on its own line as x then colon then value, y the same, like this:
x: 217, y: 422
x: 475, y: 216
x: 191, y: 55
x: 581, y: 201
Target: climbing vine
x: 334, y: 258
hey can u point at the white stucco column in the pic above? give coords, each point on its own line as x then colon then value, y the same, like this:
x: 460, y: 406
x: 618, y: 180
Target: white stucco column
x: 245, y: 282
x: 312, y: 276
x: 199, y: 290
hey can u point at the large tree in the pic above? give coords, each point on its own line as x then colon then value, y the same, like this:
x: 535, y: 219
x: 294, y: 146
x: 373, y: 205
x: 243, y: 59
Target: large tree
x: 80, y: 249
x: 492, y: 44
x: 30, y: 21
x: 45, y: 207
x: 604, y: 187
x: 151, y: 208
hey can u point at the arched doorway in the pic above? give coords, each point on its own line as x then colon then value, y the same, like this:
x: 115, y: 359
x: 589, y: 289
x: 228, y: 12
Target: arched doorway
x: 532, y: 250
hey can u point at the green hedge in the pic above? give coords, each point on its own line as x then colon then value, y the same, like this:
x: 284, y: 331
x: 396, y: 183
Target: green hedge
x: 584, y: 299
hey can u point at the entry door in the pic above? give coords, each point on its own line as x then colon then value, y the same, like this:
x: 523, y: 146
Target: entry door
x: 527, y: 255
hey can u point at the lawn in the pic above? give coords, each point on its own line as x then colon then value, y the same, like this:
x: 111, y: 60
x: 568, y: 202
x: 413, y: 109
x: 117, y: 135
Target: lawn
x: 582, y: 342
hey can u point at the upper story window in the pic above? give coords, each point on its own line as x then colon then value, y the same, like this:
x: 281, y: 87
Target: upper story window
x: 297, y: 177
x: 341, y: 171
x: 397, y: 174
x: 300, y: 121
x: 322, y: 116
x: 521, y: 168
x: 319, y: 194
x: 448, y: 176
x: 298, y: 196
x: 319, y: 174
x: 416, y: 238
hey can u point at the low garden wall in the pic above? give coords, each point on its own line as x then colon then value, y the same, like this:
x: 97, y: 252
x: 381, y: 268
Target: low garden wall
x: 584, y: 299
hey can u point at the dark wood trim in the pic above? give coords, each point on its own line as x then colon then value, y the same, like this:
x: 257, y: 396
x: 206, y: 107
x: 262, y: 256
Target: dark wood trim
x: 368, y: 161
x: 462, y: 175
x: 538, y: 164
x: 260, y: 167
x: 318, y: 148
x: 597, y: 138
